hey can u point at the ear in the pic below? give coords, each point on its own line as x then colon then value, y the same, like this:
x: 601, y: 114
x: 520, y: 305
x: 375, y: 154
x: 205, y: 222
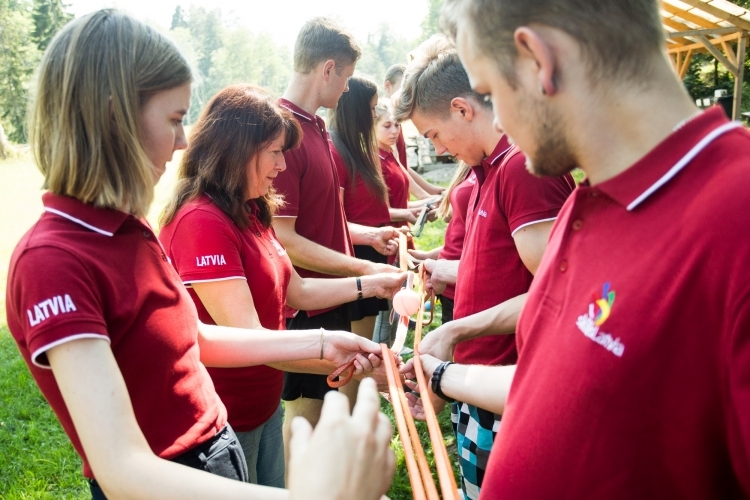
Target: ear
x: 531, y: 45
x: 328, y: 68
x: 463, y: 108
x: 387, y: 85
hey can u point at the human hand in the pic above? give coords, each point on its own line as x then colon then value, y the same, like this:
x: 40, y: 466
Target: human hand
x: 432, y: 214
x: 342, y: 347
x: 345, y: 456
x: 377, y: 373
x: 383, y: 286
x: 440, y: 342
x: 385, y: 240
x: 429, y: 365
x: 377, y: 268
x: 433, y: 281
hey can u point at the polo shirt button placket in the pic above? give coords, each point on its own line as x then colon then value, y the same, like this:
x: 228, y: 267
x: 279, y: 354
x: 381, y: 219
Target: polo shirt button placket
x: 563, y: 266
x: 577, y: 225
x: 146, y: 234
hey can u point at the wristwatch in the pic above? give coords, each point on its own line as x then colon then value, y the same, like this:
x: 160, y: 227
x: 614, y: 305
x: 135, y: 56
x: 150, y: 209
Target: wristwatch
x: 435, y: 383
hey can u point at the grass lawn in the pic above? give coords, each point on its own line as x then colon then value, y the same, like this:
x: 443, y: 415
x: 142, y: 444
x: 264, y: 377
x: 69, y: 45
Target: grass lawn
x: 37, y: 460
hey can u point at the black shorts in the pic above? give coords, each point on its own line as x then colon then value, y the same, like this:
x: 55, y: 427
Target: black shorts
x: 307, y: 385
x: 447, y: 308
x: 360, y: 309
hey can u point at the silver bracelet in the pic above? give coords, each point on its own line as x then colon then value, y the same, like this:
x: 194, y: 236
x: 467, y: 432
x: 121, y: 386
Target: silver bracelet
x: 321, y: 343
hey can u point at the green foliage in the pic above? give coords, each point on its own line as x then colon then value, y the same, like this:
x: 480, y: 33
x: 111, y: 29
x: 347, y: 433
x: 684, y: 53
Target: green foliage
x: 382, y: 50
x: 431, y: 22
x: 48, y: 16
x: 38, y: 460
x: 19, y: 56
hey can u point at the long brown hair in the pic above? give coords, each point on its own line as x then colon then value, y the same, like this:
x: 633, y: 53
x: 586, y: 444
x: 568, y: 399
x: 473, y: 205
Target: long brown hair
x: 94, y: 79
x: 237, y: 124
x: 353, y: 134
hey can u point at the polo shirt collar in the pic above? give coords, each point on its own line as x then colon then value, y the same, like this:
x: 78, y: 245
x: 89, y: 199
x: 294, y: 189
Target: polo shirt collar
x: 384, y: 154
x: 660, y: 165
x: 104, y: 221
x: 301, y: 113
x: 494, y: 158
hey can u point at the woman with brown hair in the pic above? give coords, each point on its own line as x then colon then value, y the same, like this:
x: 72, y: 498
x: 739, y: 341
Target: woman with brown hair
x: 217, y: 232
x: 104, y: 323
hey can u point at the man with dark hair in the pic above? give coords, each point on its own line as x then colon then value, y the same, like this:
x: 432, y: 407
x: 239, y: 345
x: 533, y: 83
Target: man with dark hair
x: 311, y: 225
x: 509, y: 216
x: 633, y: 377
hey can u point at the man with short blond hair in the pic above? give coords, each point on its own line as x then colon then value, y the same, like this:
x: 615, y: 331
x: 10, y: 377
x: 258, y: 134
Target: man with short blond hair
x: 507, y: 223
x: 633, y: 375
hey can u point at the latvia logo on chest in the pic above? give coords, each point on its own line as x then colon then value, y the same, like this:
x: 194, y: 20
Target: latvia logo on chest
x: 598, y: 313
x: 277, y: 246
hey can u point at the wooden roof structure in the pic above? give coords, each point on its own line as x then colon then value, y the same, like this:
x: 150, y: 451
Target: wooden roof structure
x: 718, y: 27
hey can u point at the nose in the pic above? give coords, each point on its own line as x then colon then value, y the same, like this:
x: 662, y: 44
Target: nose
x: 180, y: 140
x: 498, y: 126
x: 281, y: 164
x: 439, y: 148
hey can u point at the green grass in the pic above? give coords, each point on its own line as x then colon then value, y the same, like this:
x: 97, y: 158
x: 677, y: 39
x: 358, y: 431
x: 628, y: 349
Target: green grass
x: 37, y: 459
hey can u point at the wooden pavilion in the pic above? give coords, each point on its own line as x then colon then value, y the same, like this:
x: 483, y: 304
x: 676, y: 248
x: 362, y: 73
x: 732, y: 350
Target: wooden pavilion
x: 718, y: 27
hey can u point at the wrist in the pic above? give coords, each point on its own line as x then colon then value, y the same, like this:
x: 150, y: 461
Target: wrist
x: 436, y: 381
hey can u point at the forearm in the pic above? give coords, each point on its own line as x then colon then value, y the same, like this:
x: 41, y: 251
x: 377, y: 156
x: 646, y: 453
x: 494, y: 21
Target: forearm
x: 482, y: 386
x: 415, y: 188
x: 362, y: 235
x: 498, y: 320
x: 309, y: 255
x: 401, y: 214
x: 314, y: 366
x: 226, y: 347
x: 425, y: 186
x: 320, y: 293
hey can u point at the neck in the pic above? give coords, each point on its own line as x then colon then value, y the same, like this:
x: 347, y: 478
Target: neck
x: 384, y: 147
x: 489, y: 136
x: 304, y: 92
x: 612, y: 133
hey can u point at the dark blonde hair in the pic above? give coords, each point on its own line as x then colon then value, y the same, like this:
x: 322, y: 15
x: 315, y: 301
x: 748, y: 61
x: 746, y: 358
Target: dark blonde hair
x: 237, y: 124
x: 615, y: 35
x: 432, y: 80
x: 94, y: 79
x: 322, y: 39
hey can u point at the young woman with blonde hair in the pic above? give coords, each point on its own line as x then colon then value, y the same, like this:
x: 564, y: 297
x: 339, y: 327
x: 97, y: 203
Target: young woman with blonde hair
x: 102, y: 319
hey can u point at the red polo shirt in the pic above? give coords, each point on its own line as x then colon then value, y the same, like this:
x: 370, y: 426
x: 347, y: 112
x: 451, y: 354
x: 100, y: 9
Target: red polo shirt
x: 360, y: 205
x: 506, y: 198
x: 205, y: 245
x: 85, y: 272
x: 633, y: 377
x: 396, y: 178
x: 456, y: 230
x: 310, y: 186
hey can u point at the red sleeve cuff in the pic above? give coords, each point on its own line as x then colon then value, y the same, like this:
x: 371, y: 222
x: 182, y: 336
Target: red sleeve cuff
x: 534, y: 218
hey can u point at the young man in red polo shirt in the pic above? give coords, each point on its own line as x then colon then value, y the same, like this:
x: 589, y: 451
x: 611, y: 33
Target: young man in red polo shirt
x: 311, y: 225
x: 509, y: 216
x: 633, y: 377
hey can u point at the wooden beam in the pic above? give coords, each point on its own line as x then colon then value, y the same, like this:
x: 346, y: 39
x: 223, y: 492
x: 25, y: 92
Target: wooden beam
x: 718, y: 55
x: 729, y: 52
x: 706, y: 32
x: 741, y: 48
x: 675, y: 25
x: 714, y: 41
x: 717, y: 12
x: 687, y: 16
x: 686, y: 64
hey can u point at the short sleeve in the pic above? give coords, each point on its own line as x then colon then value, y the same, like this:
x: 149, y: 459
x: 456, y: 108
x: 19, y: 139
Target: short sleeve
x: 55, y: 299
x: 526, y: 199
x: 288, y: 182
x: 205, y: 247
x: 739, y: 389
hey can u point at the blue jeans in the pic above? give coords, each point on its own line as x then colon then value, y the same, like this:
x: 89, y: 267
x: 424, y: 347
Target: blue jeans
x: 220, y: 455
x: 264, y: 451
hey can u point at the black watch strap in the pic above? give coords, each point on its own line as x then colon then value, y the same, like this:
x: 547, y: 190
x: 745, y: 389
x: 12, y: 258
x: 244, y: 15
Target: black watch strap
x: 437, y: 377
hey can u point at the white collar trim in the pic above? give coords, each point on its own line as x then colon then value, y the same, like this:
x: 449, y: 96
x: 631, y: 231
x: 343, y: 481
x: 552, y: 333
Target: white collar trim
x: 702, y: 144
x: 78, y: 221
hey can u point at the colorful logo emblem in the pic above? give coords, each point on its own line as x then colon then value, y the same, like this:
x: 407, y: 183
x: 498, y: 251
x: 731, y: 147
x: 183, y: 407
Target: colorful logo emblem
x: 599, y: 312
x: 602, y: 307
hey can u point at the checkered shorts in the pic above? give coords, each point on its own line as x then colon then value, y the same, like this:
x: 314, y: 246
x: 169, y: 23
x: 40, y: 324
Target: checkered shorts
x: 475, y: 430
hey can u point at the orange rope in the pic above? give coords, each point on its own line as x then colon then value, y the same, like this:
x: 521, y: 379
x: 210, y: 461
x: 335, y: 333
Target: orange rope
x: 417, y: 486
x: 333, y: 379
x: 442, y: 461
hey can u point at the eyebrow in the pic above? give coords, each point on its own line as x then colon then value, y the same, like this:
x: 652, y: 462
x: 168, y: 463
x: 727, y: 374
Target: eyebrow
x: 182, y: 112
x: 426, y: 133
